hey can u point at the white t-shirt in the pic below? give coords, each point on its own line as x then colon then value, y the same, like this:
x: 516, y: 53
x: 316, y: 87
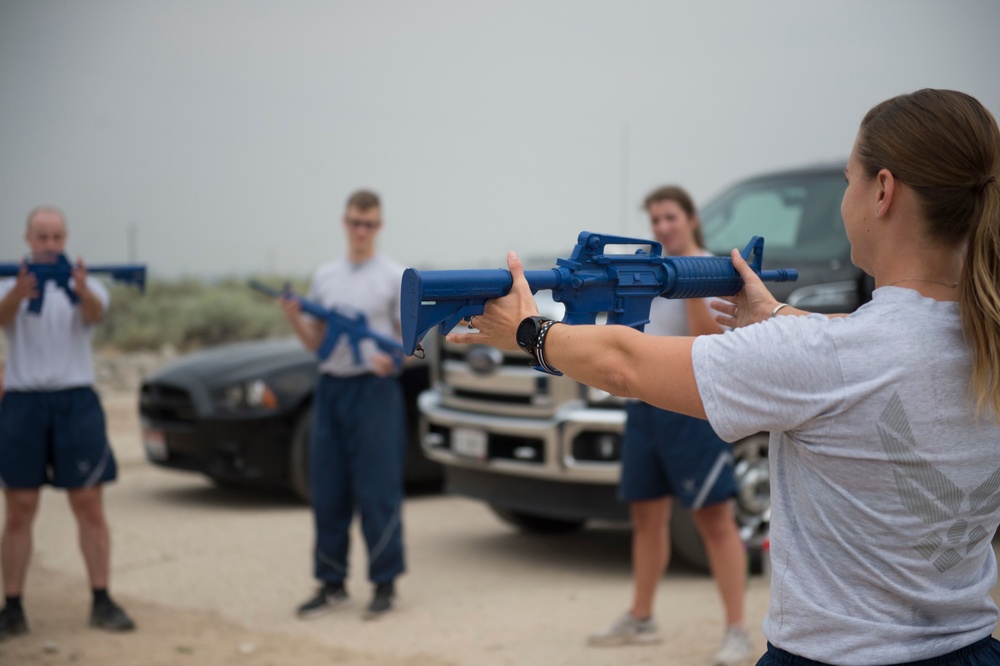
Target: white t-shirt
x: 51, y: 350
x: 885, y: 490
x: 371, y: 288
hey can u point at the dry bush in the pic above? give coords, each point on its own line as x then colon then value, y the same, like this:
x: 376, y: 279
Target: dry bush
x: 190, y: 313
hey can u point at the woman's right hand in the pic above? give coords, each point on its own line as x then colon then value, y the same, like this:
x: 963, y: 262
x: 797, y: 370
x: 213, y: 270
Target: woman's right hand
x: 754, y: 303
x: 501, y: 316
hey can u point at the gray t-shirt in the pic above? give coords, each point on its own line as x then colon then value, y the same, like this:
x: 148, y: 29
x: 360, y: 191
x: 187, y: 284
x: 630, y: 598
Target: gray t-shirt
x: 371, y: 288
x: 884, y: 487
x: 51, y: 350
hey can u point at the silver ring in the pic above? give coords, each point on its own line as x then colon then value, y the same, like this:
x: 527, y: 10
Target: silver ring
x: 471, y: 326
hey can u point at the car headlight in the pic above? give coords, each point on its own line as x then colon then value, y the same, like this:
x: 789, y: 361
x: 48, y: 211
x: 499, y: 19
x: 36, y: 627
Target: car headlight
x: 250, y: 395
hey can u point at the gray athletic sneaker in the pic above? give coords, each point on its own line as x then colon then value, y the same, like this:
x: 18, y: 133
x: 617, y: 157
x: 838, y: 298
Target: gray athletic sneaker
x: 735, y: 648
x: 627, y: 630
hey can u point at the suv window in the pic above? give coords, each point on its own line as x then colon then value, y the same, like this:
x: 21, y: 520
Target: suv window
x: 799, y: 218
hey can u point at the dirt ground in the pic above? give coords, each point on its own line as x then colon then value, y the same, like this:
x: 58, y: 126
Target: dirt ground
x: 212, y: 576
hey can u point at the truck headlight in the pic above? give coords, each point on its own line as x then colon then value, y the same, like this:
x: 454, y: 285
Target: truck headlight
x: 833, y: 296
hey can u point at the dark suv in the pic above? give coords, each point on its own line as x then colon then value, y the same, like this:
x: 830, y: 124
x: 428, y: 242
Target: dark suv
x: 798, y: 214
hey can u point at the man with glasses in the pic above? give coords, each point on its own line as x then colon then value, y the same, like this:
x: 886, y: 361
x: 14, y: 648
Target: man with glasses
x: 358, y: 438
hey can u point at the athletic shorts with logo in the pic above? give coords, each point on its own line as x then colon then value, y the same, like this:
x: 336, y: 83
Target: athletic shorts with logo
x: 670, y: 454
x: 54, y: 437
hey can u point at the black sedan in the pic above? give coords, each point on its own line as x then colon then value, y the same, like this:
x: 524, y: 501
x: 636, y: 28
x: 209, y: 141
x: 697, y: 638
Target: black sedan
x: 240, y: 414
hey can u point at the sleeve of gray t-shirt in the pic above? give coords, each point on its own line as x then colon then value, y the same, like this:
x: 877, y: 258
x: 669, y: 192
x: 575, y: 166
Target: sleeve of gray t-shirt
x: 769, y: 377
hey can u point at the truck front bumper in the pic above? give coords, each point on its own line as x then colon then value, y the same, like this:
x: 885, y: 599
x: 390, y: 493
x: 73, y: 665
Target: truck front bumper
x: 565, y: 500
x: 579, y: 444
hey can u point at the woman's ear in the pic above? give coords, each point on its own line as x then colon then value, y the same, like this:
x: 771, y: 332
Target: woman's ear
x: 885, y: 187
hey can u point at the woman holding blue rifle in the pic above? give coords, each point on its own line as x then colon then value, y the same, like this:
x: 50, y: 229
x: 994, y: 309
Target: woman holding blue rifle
x: 885, y: 444
x: 668, y: 457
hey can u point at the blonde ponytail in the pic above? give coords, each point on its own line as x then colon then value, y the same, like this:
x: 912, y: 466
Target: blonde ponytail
x: 980, y: 298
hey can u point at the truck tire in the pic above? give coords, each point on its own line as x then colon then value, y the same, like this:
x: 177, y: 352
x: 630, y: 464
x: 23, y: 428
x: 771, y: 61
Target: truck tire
x: 753, y: 502
x: 687, y: 546
x: 298, y: 459
x: 685, y: 542
x: 537, y: 524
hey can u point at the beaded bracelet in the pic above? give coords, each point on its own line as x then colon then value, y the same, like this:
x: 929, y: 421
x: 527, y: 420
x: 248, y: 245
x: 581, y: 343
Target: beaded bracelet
x: 540, y: 349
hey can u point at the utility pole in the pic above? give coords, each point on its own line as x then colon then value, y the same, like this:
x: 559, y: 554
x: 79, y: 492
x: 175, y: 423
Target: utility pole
x: 624, y: 180
x: 132, y: 232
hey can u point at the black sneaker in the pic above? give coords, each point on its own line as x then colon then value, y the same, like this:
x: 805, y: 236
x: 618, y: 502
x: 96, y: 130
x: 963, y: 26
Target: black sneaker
x: 327, y: 598
x: 381, y: 603
x: 12, y: 622
x: 110, y: 616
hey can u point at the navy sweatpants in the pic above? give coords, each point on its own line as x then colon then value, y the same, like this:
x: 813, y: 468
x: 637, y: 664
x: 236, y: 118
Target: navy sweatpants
x: 357, y: 449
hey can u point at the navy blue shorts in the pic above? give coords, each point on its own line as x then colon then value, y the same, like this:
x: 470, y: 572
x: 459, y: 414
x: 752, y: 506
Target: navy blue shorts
x: 54, y: 437
x: 670, y: 454
x: 984, y: 652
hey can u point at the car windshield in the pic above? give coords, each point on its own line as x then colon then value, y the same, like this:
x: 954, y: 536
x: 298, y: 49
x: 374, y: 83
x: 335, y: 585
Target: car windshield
x: 798, y: 216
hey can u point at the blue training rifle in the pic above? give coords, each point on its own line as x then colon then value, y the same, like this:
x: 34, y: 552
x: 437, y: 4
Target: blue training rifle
x: 588, y: 283
x: 61, y: 270
x: 337, y: 325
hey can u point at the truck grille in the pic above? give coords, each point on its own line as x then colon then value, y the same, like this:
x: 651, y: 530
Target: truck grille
x: 486, y: 380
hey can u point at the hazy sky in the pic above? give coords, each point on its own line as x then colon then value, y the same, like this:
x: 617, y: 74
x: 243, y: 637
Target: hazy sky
x: 226, y: 134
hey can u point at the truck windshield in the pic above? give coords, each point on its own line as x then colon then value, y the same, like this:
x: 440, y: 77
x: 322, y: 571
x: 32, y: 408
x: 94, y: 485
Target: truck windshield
x: 798, y: 216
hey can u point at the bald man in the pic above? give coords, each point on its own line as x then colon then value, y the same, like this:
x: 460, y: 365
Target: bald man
x: 52, y: 428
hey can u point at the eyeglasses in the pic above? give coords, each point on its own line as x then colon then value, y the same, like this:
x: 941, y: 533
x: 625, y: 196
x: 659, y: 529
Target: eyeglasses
x: 370, y: 226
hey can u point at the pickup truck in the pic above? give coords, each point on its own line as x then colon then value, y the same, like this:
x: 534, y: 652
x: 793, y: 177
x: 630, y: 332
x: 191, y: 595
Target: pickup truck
x: 543, y: 451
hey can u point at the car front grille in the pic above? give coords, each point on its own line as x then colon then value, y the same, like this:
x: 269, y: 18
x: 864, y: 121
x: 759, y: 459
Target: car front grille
x: 162, y: 402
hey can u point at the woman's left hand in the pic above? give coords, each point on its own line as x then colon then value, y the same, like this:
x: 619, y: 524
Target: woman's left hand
x: 752, y: 304
x: 501, y: 317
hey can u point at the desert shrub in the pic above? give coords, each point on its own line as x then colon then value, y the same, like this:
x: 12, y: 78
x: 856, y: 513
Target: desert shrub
x: 189, y: 313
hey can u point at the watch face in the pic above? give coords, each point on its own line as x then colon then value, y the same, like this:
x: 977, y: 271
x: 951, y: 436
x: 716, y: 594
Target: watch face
x: 526, y: 331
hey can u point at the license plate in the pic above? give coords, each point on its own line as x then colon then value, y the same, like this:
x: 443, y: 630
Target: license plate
x: 155, y: 443
x: 469, y: 442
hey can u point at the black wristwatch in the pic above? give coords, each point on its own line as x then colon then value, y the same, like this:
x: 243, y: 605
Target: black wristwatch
x: 530, y: 335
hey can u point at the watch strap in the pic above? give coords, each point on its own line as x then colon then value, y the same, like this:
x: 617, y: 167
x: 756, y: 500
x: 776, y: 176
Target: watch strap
x: 534, y: 346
